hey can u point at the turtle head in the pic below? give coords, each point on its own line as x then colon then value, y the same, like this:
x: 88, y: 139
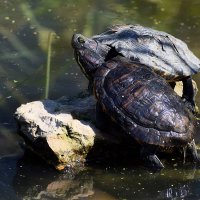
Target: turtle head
x: 89, y: 54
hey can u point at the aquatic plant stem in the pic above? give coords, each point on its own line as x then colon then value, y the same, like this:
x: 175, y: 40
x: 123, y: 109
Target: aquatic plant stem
x: 48, y: 65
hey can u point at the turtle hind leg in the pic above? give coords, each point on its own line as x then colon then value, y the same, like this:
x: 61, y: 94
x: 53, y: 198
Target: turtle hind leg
x: 189, y: 94
x: 191, y: 148
x: 149, y: 157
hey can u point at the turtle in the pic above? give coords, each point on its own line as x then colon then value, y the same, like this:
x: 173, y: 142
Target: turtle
x: 138, y: 100
x: 165, y: 54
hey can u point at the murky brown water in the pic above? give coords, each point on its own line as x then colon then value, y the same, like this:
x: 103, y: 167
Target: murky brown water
x: 24, y: 29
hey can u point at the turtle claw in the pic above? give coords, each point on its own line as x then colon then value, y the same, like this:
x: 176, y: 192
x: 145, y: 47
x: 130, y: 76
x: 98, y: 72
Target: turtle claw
x: 153, y: 162
x: 150, y: 159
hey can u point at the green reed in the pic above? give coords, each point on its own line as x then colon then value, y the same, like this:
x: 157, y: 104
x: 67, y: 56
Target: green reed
x: 48, y: 64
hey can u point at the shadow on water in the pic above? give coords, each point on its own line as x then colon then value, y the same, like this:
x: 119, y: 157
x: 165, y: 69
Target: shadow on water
x: 25, y: 26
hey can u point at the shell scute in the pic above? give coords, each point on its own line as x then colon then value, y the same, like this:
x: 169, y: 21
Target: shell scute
x: 143, y: 104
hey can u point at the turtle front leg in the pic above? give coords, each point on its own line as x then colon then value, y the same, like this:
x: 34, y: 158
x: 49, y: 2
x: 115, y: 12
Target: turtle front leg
x: 90, y: 86
x: 102, y: 120
x: 189, y: 93
x: 148, y: 155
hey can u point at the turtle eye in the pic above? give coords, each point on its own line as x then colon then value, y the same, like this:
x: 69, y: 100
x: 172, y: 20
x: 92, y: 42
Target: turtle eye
x: 81, y: 40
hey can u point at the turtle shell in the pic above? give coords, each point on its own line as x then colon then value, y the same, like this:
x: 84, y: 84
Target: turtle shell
x: 142, y: 103
x: 165, y: 54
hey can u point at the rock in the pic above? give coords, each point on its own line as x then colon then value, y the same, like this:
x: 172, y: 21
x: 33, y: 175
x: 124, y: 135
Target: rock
x: 51, y: 130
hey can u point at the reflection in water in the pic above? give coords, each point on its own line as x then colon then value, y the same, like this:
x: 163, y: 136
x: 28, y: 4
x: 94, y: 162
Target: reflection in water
x: 8, y: 171
x: 181, y: 192
x: 41, y: 182
x: 24, y: 30
x: 35, y: 180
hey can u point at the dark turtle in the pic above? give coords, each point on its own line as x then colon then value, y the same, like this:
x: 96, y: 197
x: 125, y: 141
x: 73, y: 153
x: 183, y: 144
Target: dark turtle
x: 165, y: 54
x: 139, y: 101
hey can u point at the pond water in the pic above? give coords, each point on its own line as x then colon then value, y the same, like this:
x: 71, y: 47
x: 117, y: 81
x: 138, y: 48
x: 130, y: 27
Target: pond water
x: 24, y: 29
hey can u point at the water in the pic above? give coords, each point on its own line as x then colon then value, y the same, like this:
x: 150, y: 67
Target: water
x: 24, y: 29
